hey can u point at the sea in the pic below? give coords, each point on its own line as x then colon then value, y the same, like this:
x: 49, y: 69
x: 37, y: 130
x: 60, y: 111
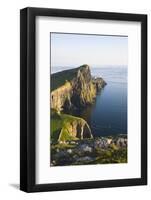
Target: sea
x: 108, y: 115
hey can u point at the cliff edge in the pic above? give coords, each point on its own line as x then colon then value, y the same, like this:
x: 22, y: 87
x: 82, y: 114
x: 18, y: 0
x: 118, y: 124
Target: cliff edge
x: 66, y: 127
x: 74, y: 88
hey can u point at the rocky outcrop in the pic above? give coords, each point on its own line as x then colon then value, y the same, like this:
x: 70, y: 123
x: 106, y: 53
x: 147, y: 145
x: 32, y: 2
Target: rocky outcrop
x: 61, y: 97
x: 100, y: 150
x: 75, y: 128
x: 74, y: 88
x: 66, y: 127
x: 84, y: 90
x: 98, y: 83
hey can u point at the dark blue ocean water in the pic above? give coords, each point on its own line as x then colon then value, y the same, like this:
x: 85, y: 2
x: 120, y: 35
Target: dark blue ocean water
x: 108, y: 115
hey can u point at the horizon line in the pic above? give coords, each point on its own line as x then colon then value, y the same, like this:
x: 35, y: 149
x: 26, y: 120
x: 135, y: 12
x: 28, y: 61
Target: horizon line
x: 94, y: 65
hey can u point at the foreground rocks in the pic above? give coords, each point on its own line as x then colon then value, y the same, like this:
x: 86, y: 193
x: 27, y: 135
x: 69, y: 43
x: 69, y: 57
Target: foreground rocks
x: 101, y: 150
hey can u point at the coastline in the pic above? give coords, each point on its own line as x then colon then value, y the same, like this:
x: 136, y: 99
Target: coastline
x: 73, y: 141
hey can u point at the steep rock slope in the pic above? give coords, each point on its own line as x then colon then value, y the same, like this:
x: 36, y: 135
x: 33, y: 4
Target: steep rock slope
x: 73, y: 89
x: 70, y: 90
x: 67, y: 127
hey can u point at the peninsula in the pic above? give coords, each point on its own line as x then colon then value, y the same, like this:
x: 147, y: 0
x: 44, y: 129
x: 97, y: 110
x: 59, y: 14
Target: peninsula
x: 72, y: 90
x: 72, y: 140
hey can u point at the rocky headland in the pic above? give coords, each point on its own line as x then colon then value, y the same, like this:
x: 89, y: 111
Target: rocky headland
x: 72, y: 90
x: 72, y: 141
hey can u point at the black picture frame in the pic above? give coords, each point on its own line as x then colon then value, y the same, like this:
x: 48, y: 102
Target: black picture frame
x: 28, y: 98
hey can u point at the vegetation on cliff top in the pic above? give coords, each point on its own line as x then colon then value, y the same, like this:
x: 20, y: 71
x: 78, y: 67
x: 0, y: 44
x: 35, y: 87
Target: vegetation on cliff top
x: 72, y: 89
x: 58, y: 79
x: 67, y: 127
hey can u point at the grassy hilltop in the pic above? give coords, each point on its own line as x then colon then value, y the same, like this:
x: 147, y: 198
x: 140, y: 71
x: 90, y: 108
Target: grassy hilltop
x: 58, y: 79
x: 66, y: 127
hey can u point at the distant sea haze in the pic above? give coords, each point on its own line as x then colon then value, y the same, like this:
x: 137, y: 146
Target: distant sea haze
x: 108, y: 115
x: 58, y: 68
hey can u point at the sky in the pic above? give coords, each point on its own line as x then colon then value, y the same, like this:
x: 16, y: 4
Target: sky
x: 94, y: 50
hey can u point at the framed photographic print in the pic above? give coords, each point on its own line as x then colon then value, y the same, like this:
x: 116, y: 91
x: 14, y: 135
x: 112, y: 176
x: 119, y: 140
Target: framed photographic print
x: 83, y: 95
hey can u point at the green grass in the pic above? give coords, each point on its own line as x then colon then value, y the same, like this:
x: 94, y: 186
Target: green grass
x: 111, y: 156
x: 65, y: 135
x: 56, y: 124
x: 59, y: 125
x: 58, y: 79
x: 62, y: 146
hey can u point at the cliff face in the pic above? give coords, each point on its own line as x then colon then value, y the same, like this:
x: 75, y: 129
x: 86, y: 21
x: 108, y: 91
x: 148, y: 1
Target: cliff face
x: 61, y: 97
x: 72, y: 89
x: 75, y: 89
x: 66, y: 127
x: 74, y: 128
x: 84, y: 91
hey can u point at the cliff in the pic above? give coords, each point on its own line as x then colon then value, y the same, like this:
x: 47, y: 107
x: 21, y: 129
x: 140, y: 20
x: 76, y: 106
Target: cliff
x: 74, y: 88
x: 67, y: 127
x: 70, y: 90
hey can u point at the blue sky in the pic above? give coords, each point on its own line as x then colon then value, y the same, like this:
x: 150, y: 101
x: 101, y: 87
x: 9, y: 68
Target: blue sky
x: 78, y: 49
